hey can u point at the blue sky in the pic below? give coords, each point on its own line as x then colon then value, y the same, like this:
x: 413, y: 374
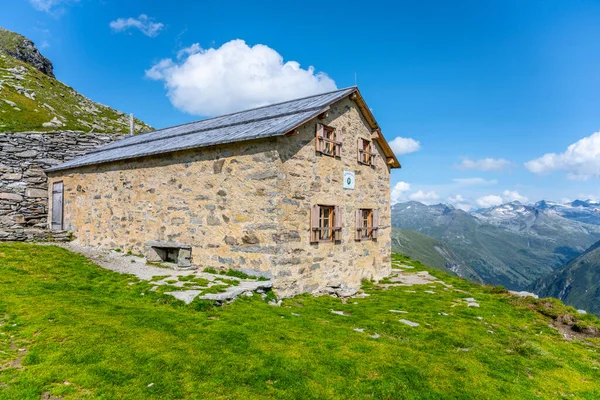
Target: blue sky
x: 494, y: 92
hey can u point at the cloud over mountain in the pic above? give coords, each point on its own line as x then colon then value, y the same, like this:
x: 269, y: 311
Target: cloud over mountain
x: 581, y: 160
x: 484, y: 164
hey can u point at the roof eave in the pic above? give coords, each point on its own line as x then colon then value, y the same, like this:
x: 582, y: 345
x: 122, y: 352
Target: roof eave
x: 392, y: 160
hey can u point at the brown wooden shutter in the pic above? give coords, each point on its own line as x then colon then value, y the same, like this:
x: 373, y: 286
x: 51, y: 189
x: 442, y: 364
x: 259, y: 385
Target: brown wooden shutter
x: 318, y: 137
x: 360, y: 148
x: 337, y: 223
x: 358, y: 231
x: 374, y: 153
x: 338, y: 146
x: 314, y: 223
x: 375, y: 223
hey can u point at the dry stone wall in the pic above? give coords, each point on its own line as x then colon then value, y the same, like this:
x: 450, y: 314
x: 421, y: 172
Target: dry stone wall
x: 23, y: 184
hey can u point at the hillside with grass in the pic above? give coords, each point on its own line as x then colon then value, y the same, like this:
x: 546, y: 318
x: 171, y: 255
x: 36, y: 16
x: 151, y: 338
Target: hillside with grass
x: 31, y: 99
x: 577, y: 283
x: 430, y: 252
x: 72, y: 330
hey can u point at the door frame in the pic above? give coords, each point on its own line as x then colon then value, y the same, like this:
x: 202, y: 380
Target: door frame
x: 62, y: 206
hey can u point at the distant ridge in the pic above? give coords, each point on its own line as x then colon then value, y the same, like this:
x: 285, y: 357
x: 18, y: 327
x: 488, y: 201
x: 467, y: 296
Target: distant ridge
x: 512, y: 244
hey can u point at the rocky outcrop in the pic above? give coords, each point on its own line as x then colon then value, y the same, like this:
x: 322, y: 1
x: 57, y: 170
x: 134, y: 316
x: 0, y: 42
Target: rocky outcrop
x: 23, y: 49
x: 23, y: 183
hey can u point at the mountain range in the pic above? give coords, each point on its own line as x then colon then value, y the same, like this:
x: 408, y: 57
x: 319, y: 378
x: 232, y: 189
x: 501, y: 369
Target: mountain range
x: 31, y: 98
x: 577, y: 283
x: 511, y: 245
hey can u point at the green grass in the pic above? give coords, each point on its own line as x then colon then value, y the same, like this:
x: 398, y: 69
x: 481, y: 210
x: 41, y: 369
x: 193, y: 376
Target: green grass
x: 107, y: 339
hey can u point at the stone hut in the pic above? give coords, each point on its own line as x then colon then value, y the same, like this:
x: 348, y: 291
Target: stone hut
x: 298, y: 192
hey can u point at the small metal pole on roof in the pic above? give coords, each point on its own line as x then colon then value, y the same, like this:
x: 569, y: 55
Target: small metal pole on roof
x: 131, y: 124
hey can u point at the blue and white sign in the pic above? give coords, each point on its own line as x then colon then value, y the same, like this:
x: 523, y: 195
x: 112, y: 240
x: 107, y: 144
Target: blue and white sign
x: 349, y: 180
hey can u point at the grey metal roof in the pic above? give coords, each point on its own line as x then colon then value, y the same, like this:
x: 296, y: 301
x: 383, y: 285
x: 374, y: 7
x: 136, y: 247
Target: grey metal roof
x: 263, y: 122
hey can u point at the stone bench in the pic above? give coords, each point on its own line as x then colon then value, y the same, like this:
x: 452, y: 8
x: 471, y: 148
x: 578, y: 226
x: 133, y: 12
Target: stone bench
x: 170, y: 252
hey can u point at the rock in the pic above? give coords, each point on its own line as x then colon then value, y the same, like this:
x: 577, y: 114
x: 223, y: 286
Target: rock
x: 443, y: 314
x: 11, y: 196
x: 340, y: 313
x: 24, y: 50
x: 12, y: 176
x: 10, y: 103
x: 32, y: 192
x: 581, y: 312
x: 359, y: 330
x: 524, y: 294
x: 374, y: 336
x: 409, y: 323
x: 54, y: 123
x: 399, y: 311
x: 27, y: 154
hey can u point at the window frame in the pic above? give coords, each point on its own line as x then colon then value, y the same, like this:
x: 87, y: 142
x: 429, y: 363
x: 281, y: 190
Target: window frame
x: 333, y: 229
x: 367, y: 224
x: 328, y: 136
x: 366, y: 152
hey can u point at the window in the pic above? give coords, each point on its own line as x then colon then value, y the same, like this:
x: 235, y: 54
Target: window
x: 325, y: 224
x: 328, y: 141
x: 367, y: 223
x: 366, y: 152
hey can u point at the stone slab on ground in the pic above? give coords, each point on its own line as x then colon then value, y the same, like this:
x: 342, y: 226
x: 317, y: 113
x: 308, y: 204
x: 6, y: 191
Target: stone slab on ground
x: 138, y: 266
x: 409, y: 323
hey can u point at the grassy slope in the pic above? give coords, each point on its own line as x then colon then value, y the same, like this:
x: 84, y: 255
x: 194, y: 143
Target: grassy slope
x: 430, y: 252
x: 30, y: 114
x: 577, y: 283
x: 88, y: 327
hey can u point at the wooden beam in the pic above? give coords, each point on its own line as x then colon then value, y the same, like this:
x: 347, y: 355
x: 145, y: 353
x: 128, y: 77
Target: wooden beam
x: 390, y: 160
x: 293, y: 133
x: 375, y: 134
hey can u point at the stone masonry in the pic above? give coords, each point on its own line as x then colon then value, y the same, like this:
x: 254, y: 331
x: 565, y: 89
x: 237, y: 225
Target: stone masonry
x: 23, y: 183
x: 244, y: 205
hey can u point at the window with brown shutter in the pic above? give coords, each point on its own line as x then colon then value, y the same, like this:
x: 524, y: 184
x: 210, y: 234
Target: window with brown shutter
x: 328, y: 141
x: 367, y: 223
x: 366, y: 152
x: 325, y: 223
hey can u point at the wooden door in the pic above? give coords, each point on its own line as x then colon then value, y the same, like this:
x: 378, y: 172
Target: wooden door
x: 57, y: 206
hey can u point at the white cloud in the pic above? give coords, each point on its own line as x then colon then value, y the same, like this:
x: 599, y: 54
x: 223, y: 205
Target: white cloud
x: 145, y: 24
x: 474, y: 181
x: 489, y: 201
x: 509, y: 196
x: 506, y: 197
x: 484, y: 164
x: 424, y: 197
x: 50, y: 6
x: 399, y: 192
x: 193, y: 49
x: 234, y: 77
x: 460, y: 202
x: 581, y: 160
x: 402, y: 145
